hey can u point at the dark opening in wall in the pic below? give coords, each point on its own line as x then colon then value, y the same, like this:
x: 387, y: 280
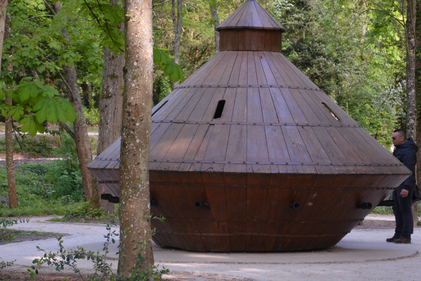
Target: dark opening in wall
x: 219, y: 109
x: 153, y: 113
x: 331, y: 112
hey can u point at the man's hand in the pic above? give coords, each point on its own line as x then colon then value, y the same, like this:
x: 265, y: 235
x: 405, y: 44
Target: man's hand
x: 404, y: 193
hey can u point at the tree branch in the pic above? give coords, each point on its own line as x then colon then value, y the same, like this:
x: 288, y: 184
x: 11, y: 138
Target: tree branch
x: 51, y: 8
x: 66, y: 127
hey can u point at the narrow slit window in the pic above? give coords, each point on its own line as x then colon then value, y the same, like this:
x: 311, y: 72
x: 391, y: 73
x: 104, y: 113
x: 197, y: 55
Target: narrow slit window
x: 219, y: 109
x: 159, y: 108
x: 331, y: 112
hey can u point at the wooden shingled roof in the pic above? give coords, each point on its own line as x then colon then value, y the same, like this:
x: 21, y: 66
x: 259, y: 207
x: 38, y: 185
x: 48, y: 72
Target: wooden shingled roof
x: 255, y: 112
x: 251, y: 16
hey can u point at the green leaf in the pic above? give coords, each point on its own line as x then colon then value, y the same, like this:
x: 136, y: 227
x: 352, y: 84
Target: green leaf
x: 27, y: 90
x: 49, y: 91
x: 2, y: 91
x: 41, y: 110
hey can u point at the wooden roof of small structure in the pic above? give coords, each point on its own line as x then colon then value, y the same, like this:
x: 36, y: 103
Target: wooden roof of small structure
x: 249, y: 155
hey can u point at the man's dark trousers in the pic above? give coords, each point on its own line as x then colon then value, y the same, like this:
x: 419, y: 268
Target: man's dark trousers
x: 403, y: 214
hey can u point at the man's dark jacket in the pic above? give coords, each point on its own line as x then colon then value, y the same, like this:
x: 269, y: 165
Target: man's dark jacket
x: 407, y: 154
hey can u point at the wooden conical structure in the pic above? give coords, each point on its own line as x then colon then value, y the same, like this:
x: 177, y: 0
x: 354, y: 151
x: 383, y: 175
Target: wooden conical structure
x: 249, y: 155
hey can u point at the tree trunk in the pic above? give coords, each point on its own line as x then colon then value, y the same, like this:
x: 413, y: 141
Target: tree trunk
x: 10, y: 167
x: 13, y: 198
x: 178, y: 24
x: 418, y: 93
x: 80, y: 136
x: 411, y: 103
x: 110, y: 107
x: 216, y: 19
x: 3, y: 7
x: 135, y: 226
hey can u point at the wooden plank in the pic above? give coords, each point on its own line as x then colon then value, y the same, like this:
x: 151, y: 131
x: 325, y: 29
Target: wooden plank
x: 190, y: 105
x: 377, y: 152
x: 293, y: 72
x: 237, y: 144
x: 352, y: 155
x: 205, y: 70
x: 234, y: 19
x: 160, y: 149
x: 316, y: 150
x: 264, y: 18
x: 240, y: 111
x: 254, y: 108
x: 178, y: 148
x: 261, y: 40
x: 241, y: 15
x: 245, y: 40
x: 216, y: 150
x: 318, y: 112
x: 276, y: 74
x: 332, y: 150
x: 342, y: 115
x: 297, y: 149
x: 251, y: 69
x: 176, y: 106
x: 261, y: 78
x: 278, y: 67
x: 157, y: 109
x: 277, y: 148
x: 217, y: 95
x: 230, y: 96
x: 236, y: 70
x: 255, y: 17
x: 282, y: 109
x: 229, y: 70
x: 293, y: 106
x: 267, y: 71
x: 157, y: 134
x: 194, y: 147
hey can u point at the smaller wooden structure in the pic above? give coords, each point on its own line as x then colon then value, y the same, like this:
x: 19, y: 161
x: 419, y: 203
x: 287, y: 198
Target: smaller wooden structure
x: 249, y: 155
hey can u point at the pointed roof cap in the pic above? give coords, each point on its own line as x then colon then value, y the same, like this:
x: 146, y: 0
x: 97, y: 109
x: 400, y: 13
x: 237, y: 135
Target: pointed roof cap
x: 250, y: 16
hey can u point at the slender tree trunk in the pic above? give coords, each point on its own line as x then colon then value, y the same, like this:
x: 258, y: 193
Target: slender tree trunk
x: 216, y: 19
x: 411, y: 102
x: 3, y: 15
x: 13, y: 198
x: 80, y: 135
x: 135, y: 226
x: 418, y: 93
x: 178, y: 24
x: 110, y: 107
x: 10, y: 167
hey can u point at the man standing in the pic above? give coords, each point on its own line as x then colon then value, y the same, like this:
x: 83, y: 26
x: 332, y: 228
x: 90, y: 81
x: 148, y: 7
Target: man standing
x: 406, y: 152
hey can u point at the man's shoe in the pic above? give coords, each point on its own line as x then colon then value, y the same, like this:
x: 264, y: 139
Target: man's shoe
x: 392, y: 239
x: 403, y: 240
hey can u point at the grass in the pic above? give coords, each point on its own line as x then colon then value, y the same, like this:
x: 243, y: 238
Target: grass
x: 13, y: 235
x: 385, y: 210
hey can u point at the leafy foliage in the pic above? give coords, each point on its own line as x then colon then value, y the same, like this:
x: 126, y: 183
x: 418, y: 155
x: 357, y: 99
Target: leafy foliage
x: 335, y: 43
x: 103, y: 270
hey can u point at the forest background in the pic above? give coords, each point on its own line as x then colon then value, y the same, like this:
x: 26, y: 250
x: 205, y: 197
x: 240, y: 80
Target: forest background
x: 354, y: 50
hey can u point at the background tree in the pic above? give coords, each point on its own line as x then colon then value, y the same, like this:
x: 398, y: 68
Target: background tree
x: 177, y: 19
x: 13, y: 199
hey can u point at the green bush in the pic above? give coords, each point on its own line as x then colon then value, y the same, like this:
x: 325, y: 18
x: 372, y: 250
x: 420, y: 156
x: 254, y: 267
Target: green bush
x: 91, y: 115
x: 44, y: 188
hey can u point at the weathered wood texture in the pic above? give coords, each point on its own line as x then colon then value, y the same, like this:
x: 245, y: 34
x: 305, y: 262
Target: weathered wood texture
x: 251, y: 15
x: 249, y: 134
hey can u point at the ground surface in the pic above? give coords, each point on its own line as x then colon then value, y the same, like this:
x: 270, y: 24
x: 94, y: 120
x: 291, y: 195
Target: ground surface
x: 362, y: 254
